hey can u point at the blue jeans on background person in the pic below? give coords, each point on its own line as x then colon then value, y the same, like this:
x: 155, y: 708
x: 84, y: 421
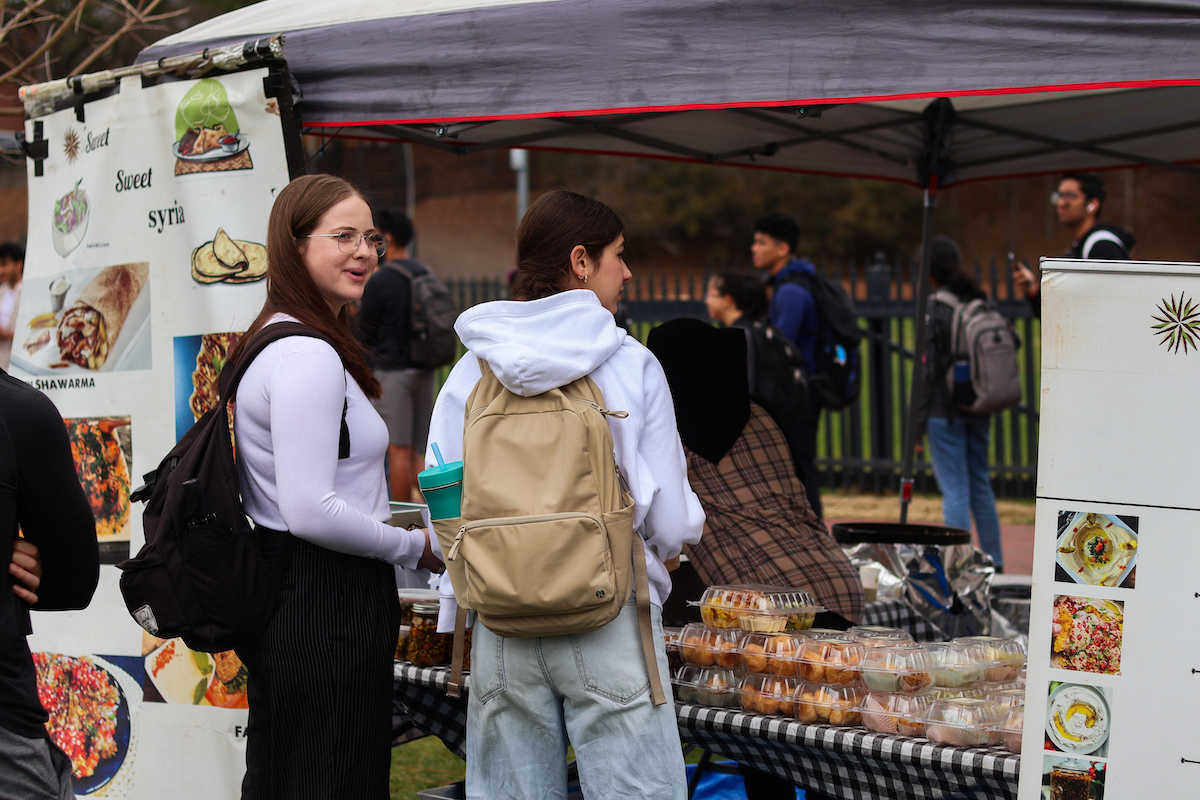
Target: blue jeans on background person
x: 959, y: 450
x: 531, y: 697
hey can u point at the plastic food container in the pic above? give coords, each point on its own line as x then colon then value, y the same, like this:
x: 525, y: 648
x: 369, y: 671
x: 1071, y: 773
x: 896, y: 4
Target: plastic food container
x: 706, y: 686
x: 759, y: 608
x: 878, y: 635
x: 942, y: 693
x: 768, y: 694
x: 897, y: 669
x: 402, y: 642
x: 965, y: 722
x: 1012, y: 729
x: 888, y: 712
x: 832, y: 705
x: 706, y: 647
x: 816, y: 633
x: 996, y: 686
x: 771, y: 653
x: 671, y: 645
x: 1007, y: 656
x: 830, y: 659
x: 1006, y: 697
x: 958, y: 665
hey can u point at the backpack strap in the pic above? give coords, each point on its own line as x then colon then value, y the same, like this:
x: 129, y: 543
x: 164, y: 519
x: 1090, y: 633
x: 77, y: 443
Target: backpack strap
x: 454, y: 685
x: 1095, y: 237
x: 645, y: 624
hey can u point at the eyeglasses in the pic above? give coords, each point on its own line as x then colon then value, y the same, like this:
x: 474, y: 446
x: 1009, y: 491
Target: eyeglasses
x: 1070, y: 197
x: 349, y: 241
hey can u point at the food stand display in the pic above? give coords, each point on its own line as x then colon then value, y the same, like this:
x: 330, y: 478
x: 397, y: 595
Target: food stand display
x: 1112, y: 688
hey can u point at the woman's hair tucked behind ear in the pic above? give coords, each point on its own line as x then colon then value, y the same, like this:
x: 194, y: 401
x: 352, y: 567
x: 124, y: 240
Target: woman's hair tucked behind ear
x: 555, y: 224
x: 945, y: 267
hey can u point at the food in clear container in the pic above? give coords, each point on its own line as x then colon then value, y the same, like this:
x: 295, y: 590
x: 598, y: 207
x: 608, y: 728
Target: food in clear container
x: 878, y: 636
x: 1012, y: 729
x: 897, y: 669
x: 768, y: 694
x: 705, y: 686
x: 773, y: 653
x: 1007, y: 656
x: 890, y: 712
x: 943, y: 693
x: 757, y: 607
x: 1006, y: 697
x: 965, y: 722
x: 706, y: 647
x: 671, y: 645
x: 816, y: 633
x: 832, y: 705
x: 830, y: 659
x: 958, y: 665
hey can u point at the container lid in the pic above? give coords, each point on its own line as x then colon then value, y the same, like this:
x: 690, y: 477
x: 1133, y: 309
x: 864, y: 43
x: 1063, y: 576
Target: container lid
x: 898, y: 533
x: 437, y: 477
x: 425, y: 608
x: 417, y: 595
x: 967, y: 712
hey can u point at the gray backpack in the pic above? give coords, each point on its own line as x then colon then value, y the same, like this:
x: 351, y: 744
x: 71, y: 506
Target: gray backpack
x: 984, y: 377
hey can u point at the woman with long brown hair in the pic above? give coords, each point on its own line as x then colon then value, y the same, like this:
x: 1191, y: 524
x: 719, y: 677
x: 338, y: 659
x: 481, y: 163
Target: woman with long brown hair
x: 320, y: 676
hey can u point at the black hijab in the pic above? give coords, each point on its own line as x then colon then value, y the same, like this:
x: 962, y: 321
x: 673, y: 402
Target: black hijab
x: 706, y: 370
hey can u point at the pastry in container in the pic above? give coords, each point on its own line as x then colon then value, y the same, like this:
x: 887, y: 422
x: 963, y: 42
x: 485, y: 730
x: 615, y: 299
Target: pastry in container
x: 715, y: 687
x: 758, y: 608
x: 965, y: 722
x: 771, y: 653
x: 958, y: 665
x: 832, y: 705
x: 671, y: 644
x: 878, y: 636
x: 897, y: 669
x: 890, y: 712
x: 1012, y: 729
x: 706, y: 647
x: 1006, y: 697
x: 768, y: 694
x: 1007, y: 656
x: 830, y: 659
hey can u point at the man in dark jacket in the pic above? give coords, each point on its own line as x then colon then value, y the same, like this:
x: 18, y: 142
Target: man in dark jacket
x: 40, y: 493
x: 1078, y: 201
x: 384, y: 324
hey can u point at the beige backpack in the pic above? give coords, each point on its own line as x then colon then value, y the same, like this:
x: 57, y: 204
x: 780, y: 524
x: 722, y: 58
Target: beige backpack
x: 545, y: 545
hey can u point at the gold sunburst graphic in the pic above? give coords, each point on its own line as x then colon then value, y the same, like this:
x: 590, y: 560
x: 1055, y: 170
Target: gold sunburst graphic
x: 71, y: 145
x: 1179, y: 324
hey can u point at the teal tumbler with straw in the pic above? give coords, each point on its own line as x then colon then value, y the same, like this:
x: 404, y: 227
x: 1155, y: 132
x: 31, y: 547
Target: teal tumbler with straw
x: 442, y: 487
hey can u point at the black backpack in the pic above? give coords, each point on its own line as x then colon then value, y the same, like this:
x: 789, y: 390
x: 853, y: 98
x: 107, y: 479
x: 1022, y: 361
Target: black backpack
x: 838, y: 376
x: 205, y: 573
x: 776, y: 372
x: 432, y: 341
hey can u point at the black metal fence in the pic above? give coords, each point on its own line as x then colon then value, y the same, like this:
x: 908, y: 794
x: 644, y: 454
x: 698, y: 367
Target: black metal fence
x: 861, y: 446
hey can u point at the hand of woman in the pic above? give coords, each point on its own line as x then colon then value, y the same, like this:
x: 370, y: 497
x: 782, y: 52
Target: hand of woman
x: 26, y: 567
x: 428, y: 560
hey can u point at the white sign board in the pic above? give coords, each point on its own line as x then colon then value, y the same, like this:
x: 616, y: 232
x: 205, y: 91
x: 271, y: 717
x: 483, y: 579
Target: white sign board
x: 145, y: 258
x: 1114, y: 666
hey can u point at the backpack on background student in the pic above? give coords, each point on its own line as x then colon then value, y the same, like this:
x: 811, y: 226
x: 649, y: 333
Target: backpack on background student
x: 776, y: 373
x: 837, y: 380
x: 984, y: 376
x: 205, y: 573
x: 433, y: 342
x: 545, y: 544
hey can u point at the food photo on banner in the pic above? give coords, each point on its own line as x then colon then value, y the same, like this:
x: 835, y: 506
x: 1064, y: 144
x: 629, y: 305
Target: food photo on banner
x: 1078, y: 719
x: 153, y: 203
x: 1096, y: 549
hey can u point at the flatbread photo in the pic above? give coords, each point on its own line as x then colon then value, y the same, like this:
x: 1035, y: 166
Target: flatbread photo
x: 224, y: 259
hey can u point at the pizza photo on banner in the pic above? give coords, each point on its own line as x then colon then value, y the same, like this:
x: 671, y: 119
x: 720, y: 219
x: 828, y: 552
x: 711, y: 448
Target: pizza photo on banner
x: 146, y: 260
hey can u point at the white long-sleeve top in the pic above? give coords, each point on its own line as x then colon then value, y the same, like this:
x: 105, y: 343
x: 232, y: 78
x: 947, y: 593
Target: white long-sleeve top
x: 288, y: 426
x: 538, y: 345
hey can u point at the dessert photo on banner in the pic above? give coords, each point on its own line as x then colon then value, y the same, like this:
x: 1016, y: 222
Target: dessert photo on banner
x: 176, y: 674
x: 1078, y: 719
x: 93, y: 703
x: 1086, y: 634
x: 1065, y: 778
x: 1096, y: 549
x: 103, y: 451
x: 80, y: 322
x: 198, y: 361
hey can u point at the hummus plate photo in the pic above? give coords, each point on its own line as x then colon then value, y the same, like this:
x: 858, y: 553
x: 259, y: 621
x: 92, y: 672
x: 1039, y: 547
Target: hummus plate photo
x: 1097, y: 549
x: 1077, y: 718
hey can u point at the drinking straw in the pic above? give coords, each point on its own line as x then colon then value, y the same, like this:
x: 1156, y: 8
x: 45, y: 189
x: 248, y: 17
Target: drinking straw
x: 437, y: 453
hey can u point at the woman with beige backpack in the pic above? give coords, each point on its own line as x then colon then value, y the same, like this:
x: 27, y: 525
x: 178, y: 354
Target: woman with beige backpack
x: 533, y: 695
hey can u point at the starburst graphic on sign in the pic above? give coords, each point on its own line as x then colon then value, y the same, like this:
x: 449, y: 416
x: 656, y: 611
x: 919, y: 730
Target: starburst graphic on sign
x: 1179, y: 325
x: 71, y: 145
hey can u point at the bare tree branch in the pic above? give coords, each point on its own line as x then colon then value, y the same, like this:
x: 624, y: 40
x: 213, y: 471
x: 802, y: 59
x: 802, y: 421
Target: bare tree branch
x: 51, y: 40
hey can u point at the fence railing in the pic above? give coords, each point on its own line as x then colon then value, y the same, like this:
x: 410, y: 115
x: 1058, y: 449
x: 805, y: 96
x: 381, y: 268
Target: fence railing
x: 861, y: 446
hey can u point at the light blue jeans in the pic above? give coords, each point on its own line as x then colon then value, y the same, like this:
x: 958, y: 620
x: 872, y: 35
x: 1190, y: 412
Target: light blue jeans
x: 530, y: 698
x: 960, y: 463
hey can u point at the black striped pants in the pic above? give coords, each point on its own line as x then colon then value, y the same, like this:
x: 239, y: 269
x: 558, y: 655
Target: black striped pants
x: 320, y: 687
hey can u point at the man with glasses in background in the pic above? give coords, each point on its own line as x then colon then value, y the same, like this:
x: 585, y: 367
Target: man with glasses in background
x: 1078, y: 201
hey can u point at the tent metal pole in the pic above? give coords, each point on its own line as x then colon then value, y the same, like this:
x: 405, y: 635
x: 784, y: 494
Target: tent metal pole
x: 910, y: 422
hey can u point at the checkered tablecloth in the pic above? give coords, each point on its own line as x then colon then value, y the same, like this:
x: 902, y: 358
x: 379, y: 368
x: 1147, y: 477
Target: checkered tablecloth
x: 848, y: 763
x: 899, y: 613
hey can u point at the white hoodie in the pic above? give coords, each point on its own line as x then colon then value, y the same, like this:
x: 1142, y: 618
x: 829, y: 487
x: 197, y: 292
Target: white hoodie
x: 538, y: 345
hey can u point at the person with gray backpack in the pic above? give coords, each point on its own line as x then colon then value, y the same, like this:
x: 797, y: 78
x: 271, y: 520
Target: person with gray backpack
x: 968, y: 371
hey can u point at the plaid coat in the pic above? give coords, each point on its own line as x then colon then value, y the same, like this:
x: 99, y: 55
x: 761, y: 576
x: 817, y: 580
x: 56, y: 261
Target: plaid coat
x: 760, y: 527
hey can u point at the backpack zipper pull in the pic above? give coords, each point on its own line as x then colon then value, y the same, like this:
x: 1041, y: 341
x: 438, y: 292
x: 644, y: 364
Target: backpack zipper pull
x: 457, y: 543
x: 607, y: 413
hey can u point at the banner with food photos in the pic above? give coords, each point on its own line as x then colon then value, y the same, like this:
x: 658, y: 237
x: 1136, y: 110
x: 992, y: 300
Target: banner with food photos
x: 1112, y: 683
x: 145, y: 261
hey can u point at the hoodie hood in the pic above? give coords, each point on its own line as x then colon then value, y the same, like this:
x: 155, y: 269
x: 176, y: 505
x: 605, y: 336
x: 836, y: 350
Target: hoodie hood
x: 534, y: 346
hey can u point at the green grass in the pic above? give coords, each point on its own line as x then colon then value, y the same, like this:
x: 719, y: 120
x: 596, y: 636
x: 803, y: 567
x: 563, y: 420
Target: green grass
x: 423, y: 764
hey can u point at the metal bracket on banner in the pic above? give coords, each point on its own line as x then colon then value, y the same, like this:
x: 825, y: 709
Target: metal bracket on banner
x: 79, y: 103
x: 38, y: 149
x: 285, y: 90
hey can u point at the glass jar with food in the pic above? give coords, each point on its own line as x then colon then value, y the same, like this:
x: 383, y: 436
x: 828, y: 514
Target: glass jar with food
x: 426, y: 647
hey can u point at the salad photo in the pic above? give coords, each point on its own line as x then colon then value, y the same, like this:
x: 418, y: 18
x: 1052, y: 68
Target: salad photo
x: 70, y: 219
